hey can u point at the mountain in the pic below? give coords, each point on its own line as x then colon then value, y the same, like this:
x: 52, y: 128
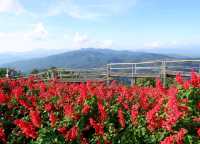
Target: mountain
x: 10, y: 57
x: 84, y: 58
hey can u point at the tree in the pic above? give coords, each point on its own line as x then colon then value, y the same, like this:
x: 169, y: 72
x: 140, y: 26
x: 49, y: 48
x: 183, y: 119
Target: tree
x: 35, y: 71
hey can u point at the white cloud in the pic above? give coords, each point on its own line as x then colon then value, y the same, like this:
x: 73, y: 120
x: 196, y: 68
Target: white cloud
x: 82, y: 40
x: 25, y: 41
x: 90, y: 9
x: 10, y: 6
x: 39, y: 32
x: 154, y: 44
x: 170, y: 44
x: 104, y: 44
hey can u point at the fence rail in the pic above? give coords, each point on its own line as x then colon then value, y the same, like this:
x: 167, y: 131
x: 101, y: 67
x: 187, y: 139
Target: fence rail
x: 154, y: 69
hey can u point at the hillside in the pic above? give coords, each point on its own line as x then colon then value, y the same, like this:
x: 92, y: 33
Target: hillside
x: 84, y: 58
x: 10, y: 57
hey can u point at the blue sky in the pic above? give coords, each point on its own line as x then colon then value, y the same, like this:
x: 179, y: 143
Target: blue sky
x: 27, y: 25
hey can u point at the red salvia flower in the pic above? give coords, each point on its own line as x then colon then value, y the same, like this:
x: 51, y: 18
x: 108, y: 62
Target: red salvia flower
x: 198, y: 132
x: 102, y: 112
x: 176, y: 138
x: 72, y: 133
x: 134, y: 114
x: 18, y: 92
x: 198, y: 105
x: 121, y: 118
x: 27, y: 128
x: 172, y: 110
x: 186, y: 85
x: 62, y: 130
x: 179, y: 137
x: 99, y: 129
x: 69, y: 111
x: 86, y: 109
x: 168, y: 140
x: 179, y: 79
x: 159, y: 85
x: 3, y: 98
x: 196, y: 119
x: 35, y: 118
x: 151, y: 116
x: 52, y: 119
x: 2, y: 136
x: 48, y: 107
x: 194, y: 79
x: 25, y: 104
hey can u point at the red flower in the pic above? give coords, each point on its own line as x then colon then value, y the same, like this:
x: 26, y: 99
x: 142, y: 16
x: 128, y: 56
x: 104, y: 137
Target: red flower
x: 3, y: 98
x: 186, y: 85
x: 69, y: 111
x: 18, y: 92
x: 159, y: 85
x: 25, y: 104
x: 35, y: 118
x: 179, y: 79
x: 85, y: 109
x: 194, y: 79
x: 198, y: 132
x: 2, y: 135
x: 196, y: 119
x: 179, y: 137
x: 62, y: 130
x: 48, y: 107
x: 52, y: 119
x: 172, y: 110
x: 168, y: 140
x: 99, y: 129
x: 176, y: 138
x: 27, y: 128
x: 102, y: 112
x: 134, y: 114
x: 72, y: 133
x: 198, y: 105
x: 121, y: 118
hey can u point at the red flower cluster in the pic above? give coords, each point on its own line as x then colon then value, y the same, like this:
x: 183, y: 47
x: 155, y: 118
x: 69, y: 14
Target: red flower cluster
x: 176, y: 138
x: 3, y: 98
x: 35, y: 118
x: 93, y: 112
x: 86, y: 109
x: 72, y: 133
x: 121, y: 118
x: 27, y: 128
x: 99, y: 129
x: 2, y: 135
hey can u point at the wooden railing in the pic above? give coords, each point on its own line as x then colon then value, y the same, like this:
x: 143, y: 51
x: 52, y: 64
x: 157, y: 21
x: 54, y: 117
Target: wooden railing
x: 154, y: 69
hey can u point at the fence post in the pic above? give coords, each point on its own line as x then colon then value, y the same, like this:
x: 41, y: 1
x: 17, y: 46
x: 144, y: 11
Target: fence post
x: 7, y: 73
x: 52, y: 75
x: 199, y: 68
x: 108, y: 74
x: 164, y: 73
x: 60, y: 75
x: 133, y: 77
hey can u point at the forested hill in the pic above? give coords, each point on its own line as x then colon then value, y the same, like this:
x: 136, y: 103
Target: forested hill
x: 84, y: 58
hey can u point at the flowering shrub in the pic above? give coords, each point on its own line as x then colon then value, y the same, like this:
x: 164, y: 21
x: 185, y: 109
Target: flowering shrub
x: 32, y: 111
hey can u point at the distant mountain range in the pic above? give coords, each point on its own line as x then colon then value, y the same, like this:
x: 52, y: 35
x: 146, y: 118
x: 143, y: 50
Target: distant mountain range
x: 84, y: 58
x: 9, y: 57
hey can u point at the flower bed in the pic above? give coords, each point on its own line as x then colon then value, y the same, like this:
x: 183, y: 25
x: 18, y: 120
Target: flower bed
x: 55, y: 112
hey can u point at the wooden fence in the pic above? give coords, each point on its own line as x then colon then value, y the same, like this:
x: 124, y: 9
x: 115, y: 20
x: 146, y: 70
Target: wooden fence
x: 149, y: 69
